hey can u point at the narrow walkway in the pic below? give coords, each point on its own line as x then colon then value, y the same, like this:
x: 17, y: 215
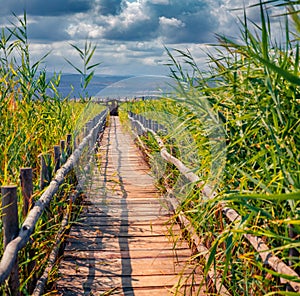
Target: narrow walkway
x: 121, y: 245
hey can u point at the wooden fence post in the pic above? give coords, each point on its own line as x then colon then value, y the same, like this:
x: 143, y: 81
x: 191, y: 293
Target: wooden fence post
x: 62, y: 146
x: 56, y: 158
x: 63, y: 155
x: 26, y: 177
x: 27, y: 189
x: 69, y: 147
x: 10, y: 222
x: 44, y: 173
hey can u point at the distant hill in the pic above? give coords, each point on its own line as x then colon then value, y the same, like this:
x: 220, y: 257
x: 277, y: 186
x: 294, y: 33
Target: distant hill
x: 99, y: 82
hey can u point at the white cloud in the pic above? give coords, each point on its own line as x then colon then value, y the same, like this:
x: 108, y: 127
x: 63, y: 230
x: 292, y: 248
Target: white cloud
x: 134, y: 12
x: 170, y: 22
x: 162, y: 2
x: 131, y: 33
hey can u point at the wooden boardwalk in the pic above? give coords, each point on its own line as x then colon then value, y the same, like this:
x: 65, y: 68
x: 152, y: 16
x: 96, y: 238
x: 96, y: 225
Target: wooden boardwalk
x: 121, y: 244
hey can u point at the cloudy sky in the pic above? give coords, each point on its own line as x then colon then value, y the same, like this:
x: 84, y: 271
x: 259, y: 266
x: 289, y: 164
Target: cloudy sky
x: 130, y: 34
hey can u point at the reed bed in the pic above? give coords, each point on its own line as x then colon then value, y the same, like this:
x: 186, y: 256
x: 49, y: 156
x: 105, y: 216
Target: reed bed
x: 247, y: 105
x: 33, y: 118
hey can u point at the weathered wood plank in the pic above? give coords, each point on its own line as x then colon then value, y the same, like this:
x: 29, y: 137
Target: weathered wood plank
x: 163, y: 266
x: 138, y: 211
x: 73, y: 288
x: 109, y: 243
x: 146, y: 253
x: 166, y: 283
x: 122, y: 241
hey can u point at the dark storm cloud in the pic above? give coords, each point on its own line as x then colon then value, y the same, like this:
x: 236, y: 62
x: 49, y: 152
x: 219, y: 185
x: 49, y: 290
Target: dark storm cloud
x: 46, y: 8
x: 130, y: 33
x: 174, y: 21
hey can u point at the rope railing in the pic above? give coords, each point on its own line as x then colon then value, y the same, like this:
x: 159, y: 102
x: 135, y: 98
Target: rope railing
x: 259, y: 245
x: 14, y: 246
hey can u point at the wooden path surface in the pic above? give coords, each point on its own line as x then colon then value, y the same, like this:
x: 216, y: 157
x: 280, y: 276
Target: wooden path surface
x: 121, y: 245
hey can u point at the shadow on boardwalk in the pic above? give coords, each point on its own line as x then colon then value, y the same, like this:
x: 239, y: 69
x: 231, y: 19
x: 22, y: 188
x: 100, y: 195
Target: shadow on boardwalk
x: 121, y: 245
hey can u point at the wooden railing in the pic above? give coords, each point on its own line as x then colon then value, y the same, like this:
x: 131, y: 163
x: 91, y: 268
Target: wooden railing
x: 17, y: 240
x: 142, y: 125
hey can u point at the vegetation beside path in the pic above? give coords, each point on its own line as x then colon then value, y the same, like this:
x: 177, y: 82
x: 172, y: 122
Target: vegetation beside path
x: 249, y: 100
x: 33, y: 118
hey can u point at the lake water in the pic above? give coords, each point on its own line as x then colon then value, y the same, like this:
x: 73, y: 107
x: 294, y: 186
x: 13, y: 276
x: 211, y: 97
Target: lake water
x: 70, y: 85
x: 102, y: 86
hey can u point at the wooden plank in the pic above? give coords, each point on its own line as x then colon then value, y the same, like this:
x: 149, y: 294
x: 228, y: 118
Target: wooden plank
x: 139, y: 219
x: 103, y: 221
x: 137, y: 206
x: 186, y: 290
x: 125, y: 217
x: 126, y: 253
x: 121, y: 243
x: 115, y: 266
x: 91, y: 283
x: 109, y: 243
x: 119, y: 231
x: 153, y: 291
x: 138, y: 211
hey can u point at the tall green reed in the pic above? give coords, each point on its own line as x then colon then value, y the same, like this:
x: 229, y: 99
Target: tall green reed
x: 253, y: 89
x: 31, y: 122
